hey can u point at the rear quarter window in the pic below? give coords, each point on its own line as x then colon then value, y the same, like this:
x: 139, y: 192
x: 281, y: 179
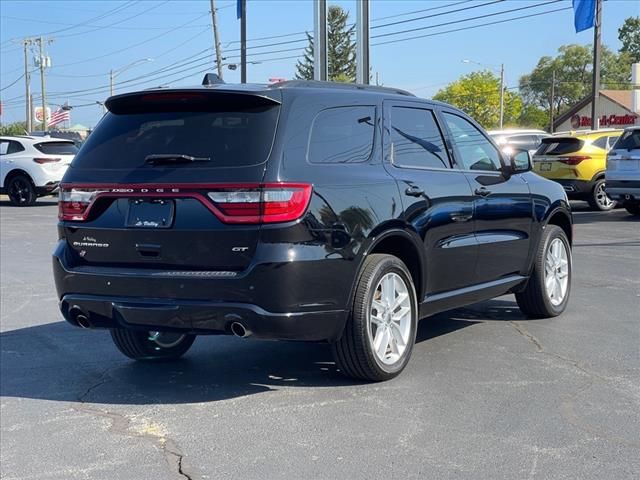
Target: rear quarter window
x: 342, y: 135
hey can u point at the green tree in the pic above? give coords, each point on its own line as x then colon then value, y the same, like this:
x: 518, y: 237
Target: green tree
x: 341, y: 49
x: 17, y: 128
x: 629, y: 36
x: 573, y: 76
x: 533, y: 116
x: 478, y: 95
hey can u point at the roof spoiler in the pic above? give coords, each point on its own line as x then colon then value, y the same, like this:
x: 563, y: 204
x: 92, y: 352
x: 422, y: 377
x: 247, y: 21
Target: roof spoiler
x: 211, y: 79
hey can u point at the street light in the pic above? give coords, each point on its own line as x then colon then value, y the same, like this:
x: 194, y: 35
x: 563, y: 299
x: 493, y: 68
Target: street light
x: 495, y: 69
x: 114, y: 73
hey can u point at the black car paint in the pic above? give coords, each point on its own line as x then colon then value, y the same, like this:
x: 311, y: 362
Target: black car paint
x: 296, y: 280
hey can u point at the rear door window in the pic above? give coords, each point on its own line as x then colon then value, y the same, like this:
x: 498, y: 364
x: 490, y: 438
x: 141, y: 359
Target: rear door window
x: 14, y: 147
x: 57, y: 148
x: 524, y: 142
x: 416, y: 139
x: 342, y: 135
x: 227, y: 137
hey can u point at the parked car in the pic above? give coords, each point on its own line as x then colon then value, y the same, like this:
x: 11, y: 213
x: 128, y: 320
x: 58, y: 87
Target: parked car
x: 623, y: 170
x: 518, y: 139
x: 301, y: 211
x: 32, y: 167
x: 578, y: 163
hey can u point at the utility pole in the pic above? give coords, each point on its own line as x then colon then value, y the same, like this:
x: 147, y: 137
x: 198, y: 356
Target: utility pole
x: 553, y: 100
x: 243, y: 42
x: 320, y: 62
x: 216, y: 38
x: 27, y: 81
x: 595, y: 86
x: 362, y: 41
x: 43, y: 61
x: 501, y: 95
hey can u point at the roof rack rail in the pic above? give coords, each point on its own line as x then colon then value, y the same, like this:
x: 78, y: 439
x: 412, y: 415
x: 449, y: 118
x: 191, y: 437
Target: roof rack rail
x: 339, y: 85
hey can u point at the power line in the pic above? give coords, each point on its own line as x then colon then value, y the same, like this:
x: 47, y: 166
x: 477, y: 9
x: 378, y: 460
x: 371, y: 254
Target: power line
x: 420, y: 11
x: 13, y: 83
x: 115, y: 27
x: 470, y: 27
x: 464, y: 20
x: 415, y: 19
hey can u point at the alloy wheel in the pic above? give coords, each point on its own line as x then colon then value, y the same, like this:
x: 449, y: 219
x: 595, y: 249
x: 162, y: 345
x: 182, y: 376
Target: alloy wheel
x: 390, y: 319
x: 556, y: 272
x: 602, y: 198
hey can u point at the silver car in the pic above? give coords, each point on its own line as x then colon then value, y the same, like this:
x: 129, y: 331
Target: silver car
x: 623, y: 170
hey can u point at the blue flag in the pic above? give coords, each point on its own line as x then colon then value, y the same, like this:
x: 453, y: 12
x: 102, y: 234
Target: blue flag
x: 584, y: 14
x: 239, y: 11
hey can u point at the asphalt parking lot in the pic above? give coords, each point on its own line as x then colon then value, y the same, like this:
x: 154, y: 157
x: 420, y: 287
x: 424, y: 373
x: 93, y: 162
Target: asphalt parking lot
x: 487, y: 394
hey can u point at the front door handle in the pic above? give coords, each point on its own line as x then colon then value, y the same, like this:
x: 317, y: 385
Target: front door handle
x: 483, y: 192
x: 414, y: 191
x: 460, y: 217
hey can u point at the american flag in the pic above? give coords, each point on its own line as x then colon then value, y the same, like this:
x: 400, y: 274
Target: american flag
x: 59, y: 116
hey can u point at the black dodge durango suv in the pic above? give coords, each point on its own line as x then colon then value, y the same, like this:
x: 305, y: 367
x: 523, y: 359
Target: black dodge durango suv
x: 299, y: 211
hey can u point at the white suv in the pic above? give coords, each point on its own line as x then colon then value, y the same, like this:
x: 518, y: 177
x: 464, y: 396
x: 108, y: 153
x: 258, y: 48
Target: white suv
x: 31, y: 167
x: 623, y: 170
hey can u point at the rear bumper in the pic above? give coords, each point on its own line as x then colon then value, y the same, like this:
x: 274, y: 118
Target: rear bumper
x: 623, y: 189
x: 200, y: 317
x: 576, y: 188
x: 48, y: 189
x: 292, y: 301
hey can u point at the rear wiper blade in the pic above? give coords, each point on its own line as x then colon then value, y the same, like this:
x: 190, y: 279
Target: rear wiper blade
x: 158, y: 158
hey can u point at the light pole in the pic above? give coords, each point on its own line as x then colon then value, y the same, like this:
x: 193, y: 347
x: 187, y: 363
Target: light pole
x: 501, y: 85
x: 114, y: 73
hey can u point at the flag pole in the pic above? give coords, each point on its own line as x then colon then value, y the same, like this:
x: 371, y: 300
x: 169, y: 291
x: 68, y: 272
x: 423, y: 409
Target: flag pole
x: 595, y: 85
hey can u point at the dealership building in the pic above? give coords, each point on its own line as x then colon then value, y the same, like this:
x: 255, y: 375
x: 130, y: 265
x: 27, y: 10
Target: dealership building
x: 614, y: 110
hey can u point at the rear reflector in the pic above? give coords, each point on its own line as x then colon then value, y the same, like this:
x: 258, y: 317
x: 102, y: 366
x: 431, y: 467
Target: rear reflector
x: 245, y: 204
x: 46, y: 160
x: 573, y: 160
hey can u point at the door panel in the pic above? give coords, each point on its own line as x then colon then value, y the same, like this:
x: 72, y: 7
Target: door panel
x: 502, y: 205
x: 437, y: 200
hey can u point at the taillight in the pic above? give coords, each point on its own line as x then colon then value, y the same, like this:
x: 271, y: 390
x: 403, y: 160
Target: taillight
x: 42, y: 160
x: 74, y: 203
x: 270, y: 203
x: 574, y: 159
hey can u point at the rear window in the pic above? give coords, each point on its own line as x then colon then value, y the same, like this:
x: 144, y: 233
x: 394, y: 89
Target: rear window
x: 630, y: 140
x: 559, y: 146
x: 233, y: 137
x: 57, y: 148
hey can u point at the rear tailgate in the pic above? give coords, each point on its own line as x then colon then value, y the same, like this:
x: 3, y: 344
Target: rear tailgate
x: 132, y: 198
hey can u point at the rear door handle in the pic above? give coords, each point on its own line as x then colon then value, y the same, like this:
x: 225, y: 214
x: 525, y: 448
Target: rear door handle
x: 483, y: 192
x: 414, y: 191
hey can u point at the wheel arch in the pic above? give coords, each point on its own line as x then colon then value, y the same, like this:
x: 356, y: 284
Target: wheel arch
x: 15, y: 172
x: 407, y: 246
x: 562, y: 219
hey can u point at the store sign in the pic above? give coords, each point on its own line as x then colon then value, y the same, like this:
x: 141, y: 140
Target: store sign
x: 578, y: 121
x: 38, y: 114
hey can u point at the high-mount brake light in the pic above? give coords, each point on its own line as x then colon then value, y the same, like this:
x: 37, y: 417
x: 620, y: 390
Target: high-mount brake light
x: 573, y: 159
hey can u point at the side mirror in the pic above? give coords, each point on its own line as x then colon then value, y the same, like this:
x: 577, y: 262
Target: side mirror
x: 520, y: 161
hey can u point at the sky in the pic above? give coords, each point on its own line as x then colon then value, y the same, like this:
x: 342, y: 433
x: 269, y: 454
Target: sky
x: 170, y: 42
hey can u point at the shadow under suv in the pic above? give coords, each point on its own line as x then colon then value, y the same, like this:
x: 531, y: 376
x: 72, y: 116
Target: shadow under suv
x: 299, y: 211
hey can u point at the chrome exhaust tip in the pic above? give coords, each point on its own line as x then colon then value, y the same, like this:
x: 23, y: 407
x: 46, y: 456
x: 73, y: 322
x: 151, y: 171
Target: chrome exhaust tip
x: 239, y: 330
x: 78, y: 316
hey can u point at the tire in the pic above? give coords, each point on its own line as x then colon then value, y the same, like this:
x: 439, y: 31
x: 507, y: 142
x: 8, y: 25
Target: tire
x: 632, y: 208
x: 354, y: 352
x: 139, y: 345
x: 536, y: 301
x: 21, y: 191
x: 598, y: 198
